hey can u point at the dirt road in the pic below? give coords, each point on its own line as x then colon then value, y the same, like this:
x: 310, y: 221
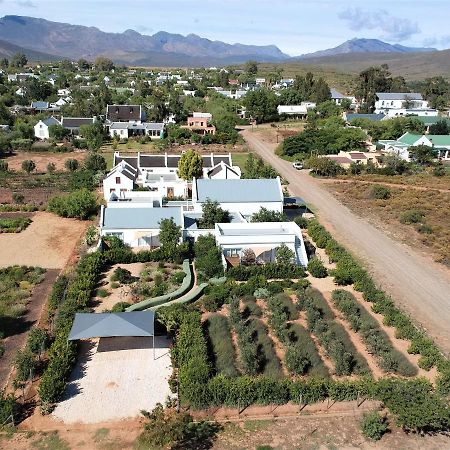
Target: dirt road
x: 417, y: 284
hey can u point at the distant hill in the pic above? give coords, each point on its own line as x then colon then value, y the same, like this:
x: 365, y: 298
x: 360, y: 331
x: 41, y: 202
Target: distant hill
x: 8, y: 50
x: 412, y: 66
x: 131, y: 47
x: 365, y: 46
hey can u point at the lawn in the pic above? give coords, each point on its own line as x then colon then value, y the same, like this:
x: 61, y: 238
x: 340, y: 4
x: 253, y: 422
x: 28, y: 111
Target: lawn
x: 239, y: 159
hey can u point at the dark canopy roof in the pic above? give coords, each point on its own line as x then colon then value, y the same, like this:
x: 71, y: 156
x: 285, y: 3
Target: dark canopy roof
x: 137, y: 323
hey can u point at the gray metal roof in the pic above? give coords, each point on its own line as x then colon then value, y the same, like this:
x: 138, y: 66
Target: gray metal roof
x: 373, y: 117
x: 336, y: 94
x: 139, y: 218
x: 137, y: 323
x: 399, y: 96
x: 51, y: 121
x: 240, y: 190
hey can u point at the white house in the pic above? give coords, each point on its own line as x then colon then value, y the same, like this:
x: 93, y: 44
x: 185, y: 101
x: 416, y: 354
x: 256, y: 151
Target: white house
x: 245, y: 196
x: 296, y: 110
x: 41, y: 128
x: 159, y: 173
x: 264, y: 238
x: 394, y: 104
x: 73, y: 124
x: 126, y: 130
x: 137, y: 226
x: 122, y: 178
x: 400, y: 147
x: 337, y: 97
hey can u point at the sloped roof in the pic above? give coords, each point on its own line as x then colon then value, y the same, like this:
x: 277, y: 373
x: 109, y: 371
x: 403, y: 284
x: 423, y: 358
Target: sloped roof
x: 439, y: 139
x: 92, y: 325
x: 51, y: 121
x: 76, y: 122
x: 373, y: 117
x: 409, y: 138
x: 124, y: 112
x: 139, y: 218
x: 336, y: 94
x: 239, y: 190
x: 399, y: 95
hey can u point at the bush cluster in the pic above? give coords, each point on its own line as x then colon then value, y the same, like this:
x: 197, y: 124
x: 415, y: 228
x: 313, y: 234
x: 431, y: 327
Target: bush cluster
x: 316, y: 268
x: 80, y: 204
x: 269, y: 271
x: 376, y: 340
x: 208, y: 258
x: 374, y: 425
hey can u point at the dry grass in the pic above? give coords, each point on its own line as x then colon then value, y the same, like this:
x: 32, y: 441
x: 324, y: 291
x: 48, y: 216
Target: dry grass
x: 434, y: 205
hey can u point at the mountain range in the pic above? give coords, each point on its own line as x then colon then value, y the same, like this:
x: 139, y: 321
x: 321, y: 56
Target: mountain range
x: 43, y: 40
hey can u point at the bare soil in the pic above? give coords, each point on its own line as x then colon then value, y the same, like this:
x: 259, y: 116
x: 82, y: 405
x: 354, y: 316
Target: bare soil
x: 48, y: 242
x: 43, y: 159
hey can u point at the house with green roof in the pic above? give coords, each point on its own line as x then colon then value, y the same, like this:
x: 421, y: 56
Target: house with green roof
x: 400, y: 146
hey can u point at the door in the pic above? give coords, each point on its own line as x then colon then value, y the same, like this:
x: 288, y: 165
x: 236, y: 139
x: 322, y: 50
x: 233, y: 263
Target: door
x: 170, y: 192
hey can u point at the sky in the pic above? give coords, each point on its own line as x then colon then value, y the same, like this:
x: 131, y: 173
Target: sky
x: 295, y: 26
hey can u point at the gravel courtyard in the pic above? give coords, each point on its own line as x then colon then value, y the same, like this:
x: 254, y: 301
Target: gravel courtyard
x: 116, y: 378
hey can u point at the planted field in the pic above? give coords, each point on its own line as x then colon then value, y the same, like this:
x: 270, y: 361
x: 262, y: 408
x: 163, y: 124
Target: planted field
x: 418, y: 217
x: 221, y: 345
x: 331, y: 335
x: 376, y: 340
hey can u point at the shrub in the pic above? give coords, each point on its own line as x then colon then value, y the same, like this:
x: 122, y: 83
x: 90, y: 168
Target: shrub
x: 18, y: 197
x: 374, y: 425
x: 3, y: 166
x: 37, y: 340
x: 316, y: 268
x: 122, y: 276
x: 301, y: 221
x: 25, y: 364
x: 120, y: 307
x: 424, y: 228
x: 28, y: 165
x: 412, y: 216
x: 102, y: 293
x: 381, y: 192
x: 80, y: 204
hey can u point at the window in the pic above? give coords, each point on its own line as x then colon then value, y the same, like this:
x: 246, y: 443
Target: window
x: 117, y: 180
x: 112, y: 190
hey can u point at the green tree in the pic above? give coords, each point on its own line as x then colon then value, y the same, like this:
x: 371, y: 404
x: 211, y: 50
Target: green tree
x: 441, y: 127
x: 83, y: 64
x: 285, y: 255
x: 251, y: 68
x: 95, y: 162
x: 103, y: 64
x: 3, y: 166
x: 190, y: 165
x: 261, y: 105
x: 71, y: 164
x: 212, y: 214
x: 28, y: 165
x: 374, y: 426
x: 19, y: 60
x: 25, y: 364
x: 372, y: 80
x: 37, y: 340
x: 169, y: 236
x: 324, y: 167
x: 422, y: 154
x: 94, y: 135
x: 266, y: 215
x: 58, y: 132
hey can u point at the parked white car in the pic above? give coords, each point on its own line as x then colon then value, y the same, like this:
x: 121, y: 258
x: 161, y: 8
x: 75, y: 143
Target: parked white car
x: 297, y: 165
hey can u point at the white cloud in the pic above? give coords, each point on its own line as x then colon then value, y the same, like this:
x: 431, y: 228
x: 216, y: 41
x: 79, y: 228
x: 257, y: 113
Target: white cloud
x: 393, y: 28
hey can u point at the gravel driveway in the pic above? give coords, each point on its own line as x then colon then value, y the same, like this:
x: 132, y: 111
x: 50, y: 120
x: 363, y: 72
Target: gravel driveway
x: 418, y: 284
x: 116, y: 378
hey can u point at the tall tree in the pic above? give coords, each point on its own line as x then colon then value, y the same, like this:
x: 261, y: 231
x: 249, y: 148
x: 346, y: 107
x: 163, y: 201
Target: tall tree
x: 169, y: 236
x: 190, y: 165
x: 19, y: 60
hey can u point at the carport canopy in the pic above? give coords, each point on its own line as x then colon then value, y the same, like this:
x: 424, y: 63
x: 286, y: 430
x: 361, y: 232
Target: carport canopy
x: 124, y: 324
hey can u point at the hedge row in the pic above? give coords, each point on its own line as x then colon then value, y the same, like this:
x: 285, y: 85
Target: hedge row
x: 414, y: 403
x: 331, y: 334
x: 349, y: 271
x: 270, y: 271
x: 376, y: 340
x: 62, y: 353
